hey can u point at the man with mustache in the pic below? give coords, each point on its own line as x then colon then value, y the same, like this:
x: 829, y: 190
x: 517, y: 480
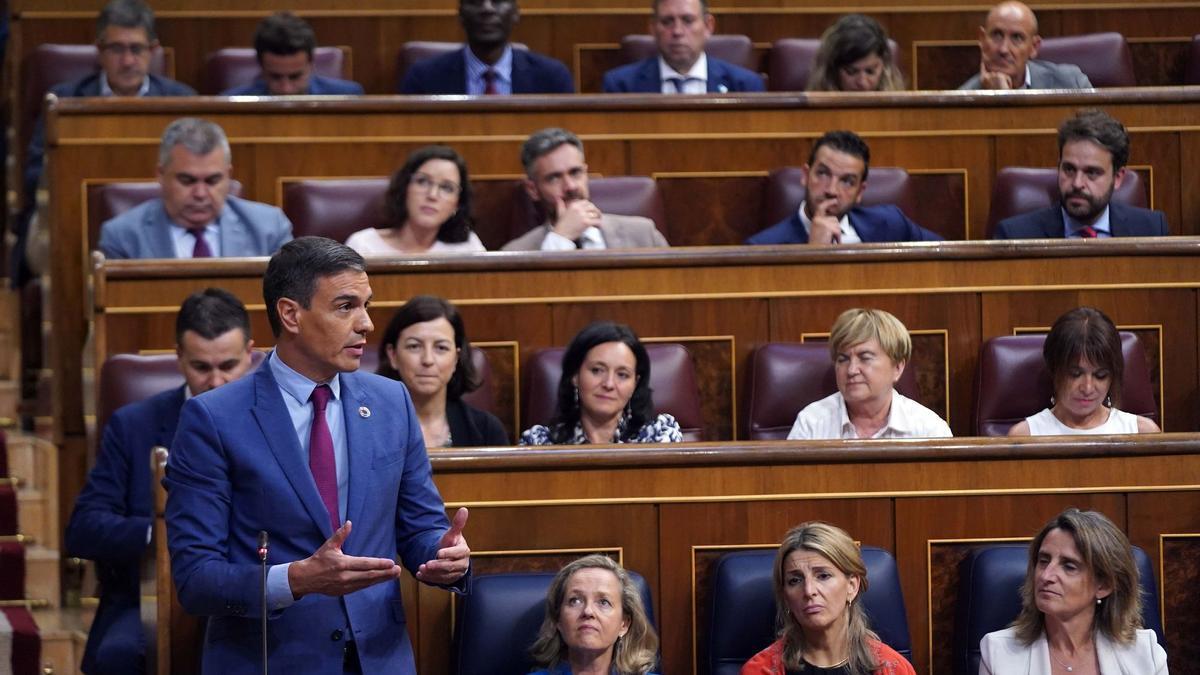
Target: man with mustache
x: 557, y: 179
x: 834, y: 181
x: 1008, y: 43
x: 1092, y: 151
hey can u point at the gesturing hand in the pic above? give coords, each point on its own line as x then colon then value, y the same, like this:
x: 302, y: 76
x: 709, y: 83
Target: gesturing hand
x: 331, y: 572
x: 453, y: 557
x: 826, y: 226
x: 573, y: 217
x: 992, y: 79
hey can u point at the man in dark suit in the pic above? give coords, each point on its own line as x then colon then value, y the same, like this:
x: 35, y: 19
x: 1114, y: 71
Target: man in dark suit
x: 125, y: 38
x: 834, y: 181
x: 1008, y: 43
x: 307, y: 450
x: 680, y: 29
x: 111, y: 523
x: 284, y: 45
x: 488, y: 64
x: 1093, y: 148
x: 195, y: 217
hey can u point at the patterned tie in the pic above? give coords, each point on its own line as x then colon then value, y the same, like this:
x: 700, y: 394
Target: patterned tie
x: 489, y: 82
x: 320, y: 454
x: 201, y: 249
x: 1088, y: 232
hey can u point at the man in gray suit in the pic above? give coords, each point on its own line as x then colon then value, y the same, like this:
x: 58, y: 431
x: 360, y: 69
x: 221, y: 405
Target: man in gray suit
x: 1008, y: 43
x: 195, y: 217
x: 556, y: 178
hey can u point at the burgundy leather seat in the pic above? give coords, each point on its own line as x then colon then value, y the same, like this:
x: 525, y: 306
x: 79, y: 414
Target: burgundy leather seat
x: 885, y: 185
x: 1012, y: 382
x: 334, y: 208
x: 107, y: 200
x: 1191, y: 70
x: 672, y: 379
x: 791, y: 62
x: 787, y: 376
x: 128, y: 378
x: 236, y: 66
x: 419, y: 50
x: 736, y: 49
x: 621, y: 195
x: 1020, y: 189
x: 1104, y: 57
x: 483, y: 398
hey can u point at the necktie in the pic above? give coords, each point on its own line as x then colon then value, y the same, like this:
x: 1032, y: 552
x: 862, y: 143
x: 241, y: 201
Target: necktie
x: 201, y: 249
x: 678, y: 82
x: 1087, y: 232
x: 489, y: 82
x: 320, y: 454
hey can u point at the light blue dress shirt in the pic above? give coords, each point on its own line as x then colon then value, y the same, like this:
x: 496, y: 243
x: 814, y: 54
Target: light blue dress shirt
x: 296, y: 390
x: 1072, y: 227
x: 185, y: 239
x: 476, y: 69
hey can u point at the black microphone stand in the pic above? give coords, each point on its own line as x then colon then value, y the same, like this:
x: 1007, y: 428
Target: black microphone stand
x: 262, y: 556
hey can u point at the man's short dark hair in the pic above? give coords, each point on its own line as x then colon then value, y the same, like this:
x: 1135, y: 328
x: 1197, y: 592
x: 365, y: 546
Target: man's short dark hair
x: 282, y: 34
x: 655, y: 3
x: 844, y: 141
x: 293, y: 272
x: 543, y: 142
x: 211, y: 313
x: 126, y: 14
x: 1100, y: 128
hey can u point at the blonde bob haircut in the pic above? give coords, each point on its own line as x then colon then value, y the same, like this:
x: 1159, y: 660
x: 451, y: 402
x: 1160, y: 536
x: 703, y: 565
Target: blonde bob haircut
x: 858, y: 325
x: 833, y: 544
x: 1106, y: 553
x: 633, y: 654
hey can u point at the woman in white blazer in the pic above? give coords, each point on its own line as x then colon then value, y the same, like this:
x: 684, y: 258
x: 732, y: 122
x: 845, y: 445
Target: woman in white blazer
x: 1081, y: 608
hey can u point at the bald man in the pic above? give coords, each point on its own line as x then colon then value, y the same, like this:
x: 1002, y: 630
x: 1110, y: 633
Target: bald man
x: 1008, y: 43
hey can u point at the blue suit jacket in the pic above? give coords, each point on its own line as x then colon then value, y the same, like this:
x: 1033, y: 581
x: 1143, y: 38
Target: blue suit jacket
x: 447, y: 74
x: 236, y: 467
x: 874, y: 224
x: 1047, y: 223
x: 247, y: 229
x: 643, y: 77
x: 115, y: 510
x: 317, y: 86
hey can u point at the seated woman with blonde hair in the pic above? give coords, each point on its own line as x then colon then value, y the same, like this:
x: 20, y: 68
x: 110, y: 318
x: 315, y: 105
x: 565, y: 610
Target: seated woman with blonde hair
x: 819, y: 580
x: 595, y: 623
x: 1086, y: 364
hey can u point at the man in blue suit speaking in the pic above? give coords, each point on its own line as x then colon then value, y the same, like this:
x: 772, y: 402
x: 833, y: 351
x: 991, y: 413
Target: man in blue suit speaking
x: 834, y: 181
x: 680, y: 29
x: 331, y: 464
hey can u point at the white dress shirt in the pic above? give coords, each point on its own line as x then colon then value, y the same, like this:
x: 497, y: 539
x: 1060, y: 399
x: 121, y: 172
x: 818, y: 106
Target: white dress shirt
x: 849, y: 234
x: 695, y: 80
x: 828, y: 419
x: 592, y: 239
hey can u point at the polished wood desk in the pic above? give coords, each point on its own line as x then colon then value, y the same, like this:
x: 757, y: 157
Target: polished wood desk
x: 702, y: 151
x: 669, y: 512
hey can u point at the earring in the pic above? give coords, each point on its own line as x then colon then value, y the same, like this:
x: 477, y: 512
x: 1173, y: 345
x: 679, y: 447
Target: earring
x: 1051, y: 400
x: 1098, y: 600
x: 576, y: 388
x: 1108, y: 401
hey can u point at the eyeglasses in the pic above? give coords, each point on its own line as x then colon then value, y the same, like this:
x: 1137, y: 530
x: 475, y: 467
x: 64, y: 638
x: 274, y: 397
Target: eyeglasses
x: 444, y: 188
x: 121, y: 48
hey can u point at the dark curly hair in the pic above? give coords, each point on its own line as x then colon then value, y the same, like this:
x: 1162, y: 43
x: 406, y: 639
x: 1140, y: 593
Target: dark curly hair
x: 457, y: 228
x: 641, y: 404
x: 422, y: 308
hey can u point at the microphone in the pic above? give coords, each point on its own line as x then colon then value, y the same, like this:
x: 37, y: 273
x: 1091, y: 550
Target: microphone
x: 263, y: 548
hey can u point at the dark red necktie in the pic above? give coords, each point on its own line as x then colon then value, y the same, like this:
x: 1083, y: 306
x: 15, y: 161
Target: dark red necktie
x: 201, y: 249
x: 320, y: 454
x: 489, y: 82
x: 1087, y: 232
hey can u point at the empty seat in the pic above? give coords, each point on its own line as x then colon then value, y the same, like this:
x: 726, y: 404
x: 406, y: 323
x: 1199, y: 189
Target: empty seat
x: 620, y: 195
x: 792, y: 59
x: 232, y: 67
x: 334, y: 208
x: 742, y: 622
x: 1012, y: 382
x: 499, y: 620
x: 1104, y: 57
x: 108, y: 200
x: 672, y: 379
x: 414, y: 51
x: 989, y: 597
x: 736, y: 49
x: 787, y: 376
x: 885, y: 185
x: 1020, y: 189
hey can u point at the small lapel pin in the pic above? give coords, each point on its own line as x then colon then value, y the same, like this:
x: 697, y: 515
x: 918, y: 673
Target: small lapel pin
x: 364, y: 412
x: 722, y: 89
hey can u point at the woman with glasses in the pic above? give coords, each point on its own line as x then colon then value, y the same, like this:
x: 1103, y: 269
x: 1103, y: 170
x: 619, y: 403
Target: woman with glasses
x: 427, y: 209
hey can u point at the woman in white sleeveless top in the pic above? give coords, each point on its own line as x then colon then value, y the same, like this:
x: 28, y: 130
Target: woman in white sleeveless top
x: 1083, y: 355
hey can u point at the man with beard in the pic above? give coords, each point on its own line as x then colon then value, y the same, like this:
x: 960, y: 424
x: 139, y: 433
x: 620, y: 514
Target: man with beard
x: 834, y: 181
x: 488, y: 64
x: 557, y: 179
x: 1092, y: 151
